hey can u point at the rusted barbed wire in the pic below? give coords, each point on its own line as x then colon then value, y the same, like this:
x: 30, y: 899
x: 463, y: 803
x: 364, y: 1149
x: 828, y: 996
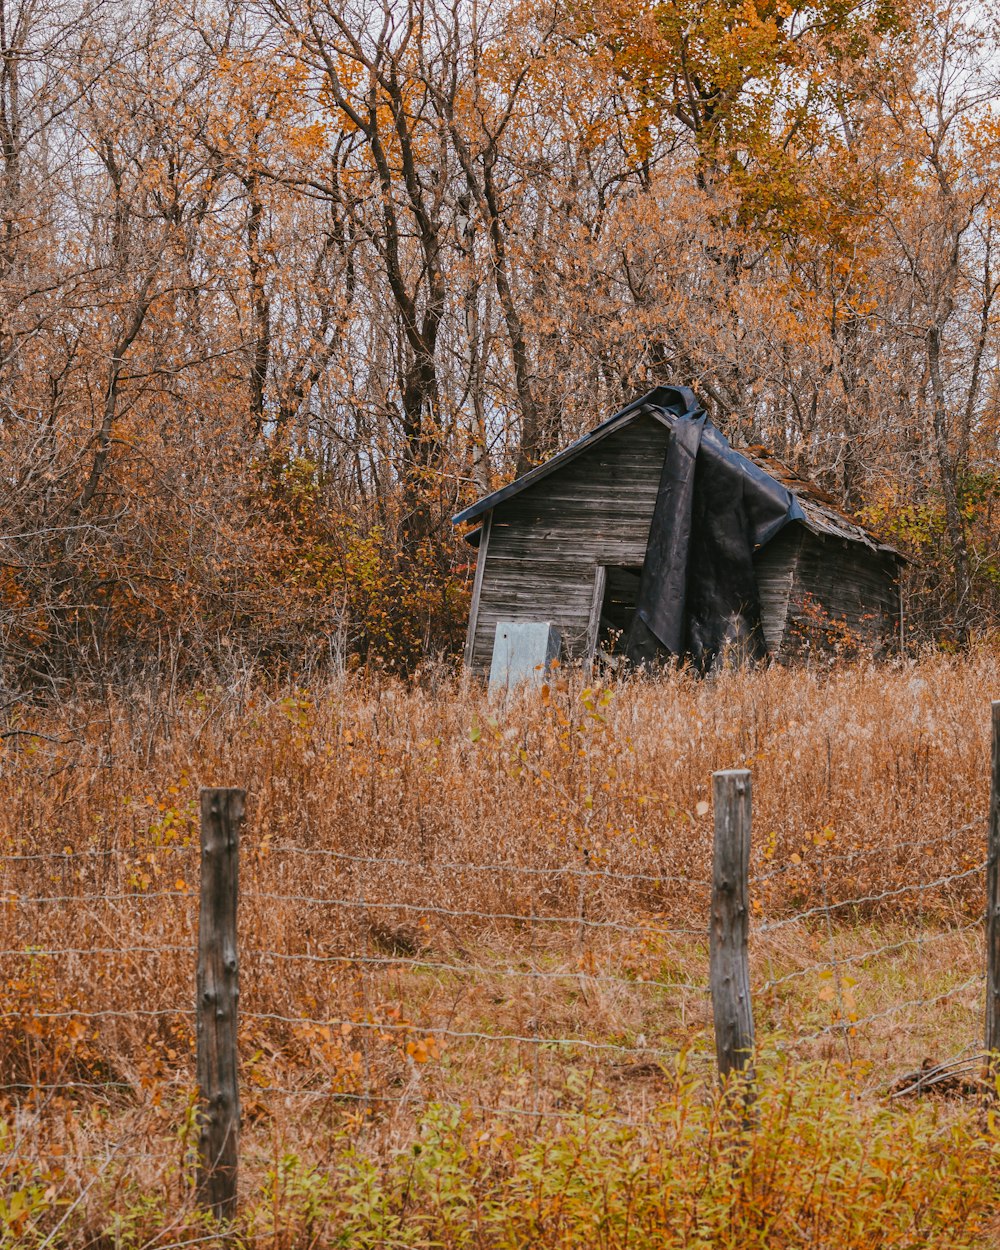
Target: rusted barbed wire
x: 862, y: 956
x: 489, y: 970
x: 393, y: 1026
x: 910, y: 888
x: 892, y: 1010
x: 427, y: 909
x: 862, y: 852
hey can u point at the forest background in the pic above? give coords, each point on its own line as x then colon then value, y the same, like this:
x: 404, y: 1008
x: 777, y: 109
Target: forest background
x: 284, y: 285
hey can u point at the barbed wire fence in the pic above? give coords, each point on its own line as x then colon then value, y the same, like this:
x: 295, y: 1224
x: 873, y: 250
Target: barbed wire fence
x: 384, y: 984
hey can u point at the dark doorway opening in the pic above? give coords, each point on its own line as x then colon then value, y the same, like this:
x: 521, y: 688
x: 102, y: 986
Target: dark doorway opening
x: 621, y: 594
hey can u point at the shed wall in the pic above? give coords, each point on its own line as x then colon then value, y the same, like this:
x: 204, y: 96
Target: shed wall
x: 545, y: 543
x: 837, y: 584
x: 543, y: 547
x: 774, y: 569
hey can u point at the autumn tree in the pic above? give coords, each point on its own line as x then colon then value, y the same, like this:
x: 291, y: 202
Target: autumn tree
x: 282, y: 286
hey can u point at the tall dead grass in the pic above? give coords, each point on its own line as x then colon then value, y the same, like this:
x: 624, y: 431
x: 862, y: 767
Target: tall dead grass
x: 425, y: 870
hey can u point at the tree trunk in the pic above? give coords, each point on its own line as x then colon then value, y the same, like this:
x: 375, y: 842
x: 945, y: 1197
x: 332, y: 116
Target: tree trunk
x: 948, y: 470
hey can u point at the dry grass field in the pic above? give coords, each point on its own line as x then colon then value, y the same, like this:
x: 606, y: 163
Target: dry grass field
x: 474, y: 962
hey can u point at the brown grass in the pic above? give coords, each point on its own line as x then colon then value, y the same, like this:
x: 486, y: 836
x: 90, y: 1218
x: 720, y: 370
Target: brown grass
x: 422, y: 866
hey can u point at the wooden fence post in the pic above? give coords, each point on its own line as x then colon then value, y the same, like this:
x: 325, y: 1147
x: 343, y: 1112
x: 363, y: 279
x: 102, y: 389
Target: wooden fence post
x: 218, y: 994
x: 993, y: 909
x: 730, y: 921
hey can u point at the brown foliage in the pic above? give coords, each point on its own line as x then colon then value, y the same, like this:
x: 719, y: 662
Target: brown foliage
x: 436, y: 887
x: 279, y: 293
x: 429, y: 824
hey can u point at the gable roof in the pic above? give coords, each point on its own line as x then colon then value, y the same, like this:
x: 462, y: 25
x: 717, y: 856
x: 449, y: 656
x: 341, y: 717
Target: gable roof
x: 808, y: 503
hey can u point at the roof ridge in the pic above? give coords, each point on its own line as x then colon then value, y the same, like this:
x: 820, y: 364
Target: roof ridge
x: 817, y: 507
x: 805, y: 487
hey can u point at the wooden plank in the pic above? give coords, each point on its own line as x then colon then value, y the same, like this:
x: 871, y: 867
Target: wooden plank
x: 993, y: 911
x: 573, y: 534
x: 594, y: 624
x: 566, y: 578
x: 850, y: 584
x: 519, y: 597
x: 545, y: 543
x: 543, y: 564
x: 571, y: 622
x: 774, y: 569
x: 535, y: 541
x: 477, y: 588
x: 729, y: 963
x: 585, y: 551
x: 620, y: 501
x: 217, y: 999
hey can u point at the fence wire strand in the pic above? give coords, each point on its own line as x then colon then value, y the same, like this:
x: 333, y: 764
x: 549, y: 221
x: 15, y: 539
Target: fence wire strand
x: 864, y: 852
x: 427, y: 909
x: 887, y: 948
x: 579, y: 919
x: 863, y: 899
x: 894, y: 1009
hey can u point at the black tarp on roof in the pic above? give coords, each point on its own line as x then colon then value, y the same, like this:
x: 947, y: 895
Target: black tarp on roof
x: 715, y: 506
x: 698, y: 593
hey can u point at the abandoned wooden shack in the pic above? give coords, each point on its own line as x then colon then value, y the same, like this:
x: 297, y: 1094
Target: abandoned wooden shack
x: 651, y: 535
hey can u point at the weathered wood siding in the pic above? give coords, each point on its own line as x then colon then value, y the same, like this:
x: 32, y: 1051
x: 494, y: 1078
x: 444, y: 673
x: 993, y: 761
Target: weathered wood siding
x: 546, y: 543
x: 774, y: 567
x: 840, y: 592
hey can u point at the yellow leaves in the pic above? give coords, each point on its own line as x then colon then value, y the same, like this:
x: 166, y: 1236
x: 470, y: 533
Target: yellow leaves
x: 839, y: 989
x: 592, y: 698
x: 297, y: 708
x: 308, y: 140
x: 424, y: 1049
